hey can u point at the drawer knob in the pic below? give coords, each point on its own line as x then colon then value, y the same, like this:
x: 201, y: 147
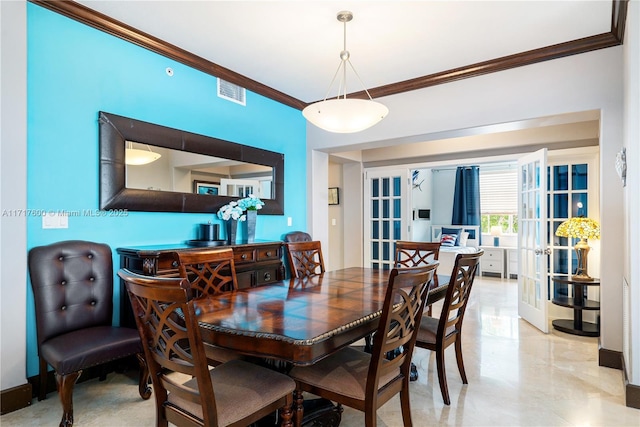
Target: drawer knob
x: 244, y: 256
x: 267, y: 276
x: 268, y: 253
x: 174, y: 264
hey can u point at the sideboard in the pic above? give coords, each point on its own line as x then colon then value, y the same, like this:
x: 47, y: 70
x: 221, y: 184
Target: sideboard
x: 259, y: 263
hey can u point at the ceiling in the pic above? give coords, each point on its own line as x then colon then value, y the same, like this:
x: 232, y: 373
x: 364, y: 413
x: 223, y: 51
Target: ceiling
x: 289, y: 50
x: 293, y: 46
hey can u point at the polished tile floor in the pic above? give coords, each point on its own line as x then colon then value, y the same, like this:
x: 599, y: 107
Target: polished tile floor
x: 517, y: 377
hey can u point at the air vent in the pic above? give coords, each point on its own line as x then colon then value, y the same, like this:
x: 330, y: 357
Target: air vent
x: 231, y: 92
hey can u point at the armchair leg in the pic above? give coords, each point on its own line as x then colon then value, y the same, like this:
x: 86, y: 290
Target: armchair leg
x: 65, y: 385
x: 42, y: 391
x: 286, y: 413
x: 143, y: 386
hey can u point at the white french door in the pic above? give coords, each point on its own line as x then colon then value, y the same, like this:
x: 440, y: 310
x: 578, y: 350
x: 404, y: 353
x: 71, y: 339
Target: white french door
x: 532, y: 239
x: 386, y: 215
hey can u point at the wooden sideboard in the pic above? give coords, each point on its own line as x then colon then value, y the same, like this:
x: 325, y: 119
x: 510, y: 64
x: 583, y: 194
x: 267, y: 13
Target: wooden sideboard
x: 257, y: 264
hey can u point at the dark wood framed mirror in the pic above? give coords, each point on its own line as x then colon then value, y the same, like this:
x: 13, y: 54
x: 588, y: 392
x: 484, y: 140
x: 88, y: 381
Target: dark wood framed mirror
x: 211, y: 157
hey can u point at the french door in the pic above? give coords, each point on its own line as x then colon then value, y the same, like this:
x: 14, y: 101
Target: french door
x: 532, y: 239
x: 386, y: 215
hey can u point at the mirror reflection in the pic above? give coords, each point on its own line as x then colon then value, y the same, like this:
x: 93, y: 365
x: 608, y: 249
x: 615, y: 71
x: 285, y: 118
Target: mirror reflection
x: 185, y: 172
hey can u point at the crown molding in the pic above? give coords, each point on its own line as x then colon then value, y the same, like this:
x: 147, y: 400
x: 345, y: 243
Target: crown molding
x: 102, y: 22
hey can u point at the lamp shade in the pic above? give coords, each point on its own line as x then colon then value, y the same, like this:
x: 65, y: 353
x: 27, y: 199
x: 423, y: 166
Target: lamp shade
x: 496, y: 230
x: 580, y: 227
x: 345, y: 115
x: 137, y: 157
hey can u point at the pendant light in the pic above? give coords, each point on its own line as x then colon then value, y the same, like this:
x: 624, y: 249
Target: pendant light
x: 342, y: 115
x: 137, y: 157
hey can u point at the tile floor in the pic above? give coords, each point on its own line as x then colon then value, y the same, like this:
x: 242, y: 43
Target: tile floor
x: 517, y: 377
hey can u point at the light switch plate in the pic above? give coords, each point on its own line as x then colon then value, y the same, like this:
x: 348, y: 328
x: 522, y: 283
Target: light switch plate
x: 55, y: 220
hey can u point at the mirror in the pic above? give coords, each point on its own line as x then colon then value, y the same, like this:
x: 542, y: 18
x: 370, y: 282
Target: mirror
x: 194, y: 173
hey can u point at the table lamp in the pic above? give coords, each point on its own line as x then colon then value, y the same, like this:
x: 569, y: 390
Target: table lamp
x: 496, y: 232
x: 583, y: 229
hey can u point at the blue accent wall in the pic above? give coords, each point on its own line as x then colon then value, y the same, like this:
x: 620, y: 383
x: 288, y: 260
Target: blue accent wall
x: 74, y: 72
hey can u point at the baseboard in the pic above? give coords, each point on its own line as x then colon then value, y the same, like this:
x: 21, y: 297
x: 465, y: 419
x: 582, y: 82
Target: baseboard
x: 615, y: 360
x: 610, y: 358
x: 15, y: 398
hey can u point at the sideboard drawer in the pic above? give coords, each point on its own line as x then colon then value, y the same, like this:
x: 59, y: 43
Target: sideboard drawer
x: 269, y: 253
x: 267, y: 275
x: 244, y: 255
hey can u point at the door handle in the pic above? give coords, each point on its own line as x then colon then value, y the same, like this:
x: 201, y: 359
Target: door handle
x: 539, y: 251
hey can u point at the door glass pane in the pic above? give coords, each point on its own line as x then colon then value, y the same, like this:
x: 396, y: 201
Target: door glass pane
x: 374, y: 229
x: 385, y: 187
x: 375, y: 250
x: 560, y: 178
x: 579, y: 204
x: 396, y: 186
x: 375, y: 187
x: 385, y: 230
x: 396, y: 208
x: 385, y: 208
x: 385, y: 251
x: 375, y: 209
x: 579, y: 175
x: 560, y: 206
x: 396, y: 230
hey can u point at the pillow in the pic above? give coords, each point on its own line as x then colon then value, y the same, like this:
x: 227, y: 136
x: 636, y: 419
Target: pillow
x: 448, y: 240
x: 464, y: 236
x: 454, y: 231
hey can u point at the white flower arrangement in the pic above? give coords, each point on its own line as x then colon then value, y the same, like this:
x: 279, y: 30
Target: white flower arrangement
x: 235, y: 210
x: 231, y: 211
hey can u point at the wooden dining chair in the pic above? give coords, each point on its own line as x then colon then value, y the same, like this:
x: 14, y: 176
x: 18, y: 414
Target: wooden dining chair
x: 305, y: 259
x: 365, y: 381
x: 210, y: 272
x: 236, y: 393
x: 436, y: 334
x: 415, y: 254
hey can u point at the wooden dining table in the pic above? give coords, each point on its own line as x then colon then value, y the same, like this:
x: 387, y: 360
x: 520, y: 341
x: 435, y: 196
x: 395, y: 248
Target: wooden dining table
x: 298, y: 321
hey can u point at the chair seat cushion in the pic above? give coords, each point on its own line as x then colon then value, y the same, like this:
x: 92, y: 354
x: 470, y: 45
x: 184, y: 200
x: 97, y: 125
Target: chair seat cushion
x: 429, y: 329
x: 241, y: 389
x: 344, y: 372
x: 89, y: 347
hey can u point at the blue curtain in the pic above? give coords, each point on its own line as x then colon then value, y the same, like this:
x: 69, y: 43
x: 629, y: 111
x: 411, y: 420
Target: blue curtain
x: 466, y: 197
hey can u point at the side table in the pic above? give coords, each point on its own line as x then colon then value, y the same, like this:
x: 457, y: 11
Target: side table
x: 578, y: 302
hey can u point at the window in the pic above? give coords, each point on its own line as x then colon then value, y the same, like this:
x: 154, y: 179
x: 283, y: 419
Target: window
x: 499, y: 197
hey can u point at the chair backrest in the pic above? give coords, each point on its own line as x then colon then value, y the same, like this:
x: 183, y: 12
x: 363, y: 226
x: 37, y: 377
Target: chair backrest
x: 297, y: 236
x: 72, y: 285
x: 210, y: 271
x: 401, y: 315
x: 169, y: 346
x: 455, y: 301
x: 415, y: 254
x: 305, y: 259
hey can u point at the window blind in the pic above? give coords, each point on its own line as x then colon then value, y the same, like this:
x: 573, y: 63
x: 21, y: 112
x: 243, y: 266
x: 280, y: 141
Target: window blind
x: 499, y: 191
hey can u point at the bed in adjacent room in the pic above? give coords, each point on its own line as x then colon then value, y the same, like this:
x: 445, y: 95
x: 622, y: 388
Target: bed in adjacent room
x: 454, y: 239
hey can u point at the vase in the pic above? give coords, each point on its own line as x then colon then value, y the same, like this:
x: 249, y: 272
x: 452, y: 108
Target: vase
x: 232, y: 231
x: 251, y: 226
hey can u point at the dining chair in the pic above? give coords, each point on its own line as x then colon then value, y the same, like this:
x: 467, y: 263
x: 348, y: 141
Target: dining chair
x: 297, y: 236
x: 72, y: 284
x: 365, y: 381
x: 415, y: 254
x: 187, y: 392
x: 436, y: 334
x: 305, y: 259
x: 210, y: 272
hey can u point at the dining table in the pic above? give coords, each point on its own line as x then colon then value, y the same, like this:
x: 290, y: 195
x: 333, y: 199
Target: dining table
x: 300, y: 321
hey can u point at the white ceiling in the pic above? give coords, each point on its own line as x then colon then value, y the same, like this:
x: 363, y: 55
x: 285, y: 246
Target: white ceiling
x: 294, y: 46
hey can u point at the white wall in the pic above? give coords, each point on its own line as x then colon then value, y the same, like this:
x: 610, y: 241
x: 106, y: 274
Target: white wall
x: 13, y: 161
x: 590, y: 81
x: 632, y: 198
x: 334, y: 256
